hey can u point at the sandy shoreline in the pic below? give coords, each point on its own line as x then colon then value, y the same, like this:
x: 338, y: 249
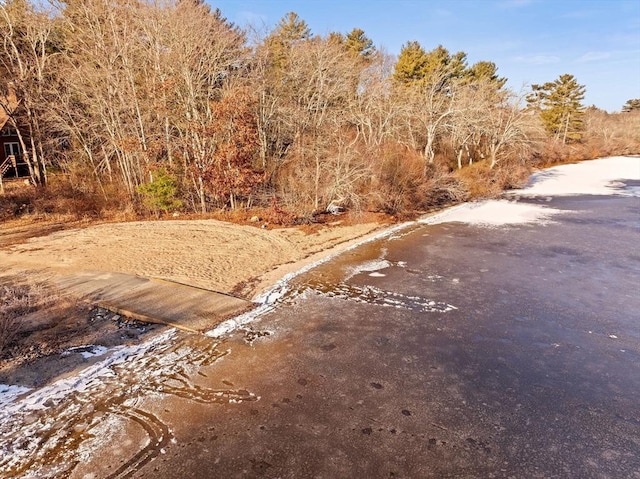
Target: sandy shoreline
x: 230, y: 258
x: 211, y: 254
x: 239, y: 259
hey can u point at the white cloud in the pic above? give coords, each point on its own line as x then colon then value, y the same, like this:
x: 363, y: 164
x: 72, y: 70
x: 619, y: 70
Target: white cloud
x: 593, y: 56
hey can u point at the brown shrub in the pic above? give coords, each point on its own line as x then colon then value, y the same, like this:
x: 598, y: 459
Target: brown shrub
x: 440, y: 188
x: 480, y: 180
x: 65, y: 200
x: 16, y: 301
x: 511, y: 176
x: 17, y: 200
x: 397, y: 174
x: 278, y: 215
x: 275, y: 214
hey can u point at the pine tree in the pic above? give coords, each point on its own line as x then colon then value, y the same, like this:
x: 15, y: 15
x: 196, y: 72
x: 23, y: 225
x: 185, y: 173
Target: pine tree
x: 358, y: 43
x: 292, y: 28
x: 487, y: 71
x: 415, y: 65
x: 560, y: 105
x: 631, y: 105
x: 440, y: 61
x: 411, y: 66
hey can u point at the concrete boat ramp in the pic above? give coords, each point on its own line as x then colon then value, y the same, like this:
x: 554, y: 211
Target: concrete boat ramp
x: 155, y: 300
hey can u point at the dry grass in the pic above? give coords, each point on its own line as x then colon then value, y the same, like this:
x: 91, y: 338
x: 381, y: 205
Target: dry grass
x: 17, y: 301
x: 60, y: 201
x: 483, y: 182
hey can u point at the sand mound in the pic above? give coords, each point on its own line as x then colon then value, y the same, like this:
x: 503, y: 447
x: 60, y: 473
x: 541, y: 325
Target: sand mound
x: 205, y: 253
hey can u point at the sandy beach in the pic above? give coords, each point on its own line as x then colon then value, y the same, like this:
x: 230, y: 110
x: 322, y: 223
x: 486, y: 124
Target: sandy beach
x: 209, y: 254
x: 242, y: 260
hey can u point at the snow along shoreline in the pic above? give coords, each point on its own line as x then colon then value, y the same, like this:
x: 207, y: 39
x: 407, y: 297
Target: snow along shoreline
x: 594, y: 177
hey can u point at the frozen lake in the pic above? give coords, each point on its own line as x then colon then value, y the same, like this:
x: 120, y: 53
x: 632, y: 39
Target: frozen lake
x: 453, y: 348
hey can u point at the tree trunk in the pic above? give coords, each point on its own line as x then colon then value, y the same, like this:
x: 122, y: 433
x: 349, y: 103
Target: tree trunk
x: 566, y: 129
x: 167, y: 140
x: 493, y: 155
x: 202, y: 195
x: 429, y: 154
x: 26, y: 157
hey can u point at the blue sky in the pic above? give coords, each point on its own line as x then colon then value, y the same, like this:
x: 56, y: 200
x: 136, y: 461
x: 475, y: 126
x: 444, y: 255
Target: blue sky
x: 531, y: 41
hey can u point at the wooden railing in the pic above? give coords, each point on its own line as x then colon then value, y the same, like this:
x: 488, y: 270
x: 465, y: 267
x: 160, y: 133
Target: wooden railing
x: 9, y: 162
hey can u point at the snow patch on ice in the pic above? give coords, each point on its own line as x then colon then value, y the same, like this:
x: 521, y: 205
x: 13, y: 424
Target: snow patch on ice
x: 84, y: 380
x: 372, y: 295
x: 493, y: 213
x: 237, y: 322
x: 369, y: 267
x: 281, y: 288
x: 594, y: 177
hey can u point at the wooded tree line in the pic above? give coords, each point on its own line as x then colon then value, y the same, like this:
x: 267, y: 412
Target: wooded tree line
x: 170, y: 104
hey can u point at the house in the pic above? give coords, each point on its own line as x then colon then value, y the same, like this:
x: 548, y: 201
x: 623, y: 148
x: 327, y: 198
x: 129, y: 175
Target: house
x: 11, y: 161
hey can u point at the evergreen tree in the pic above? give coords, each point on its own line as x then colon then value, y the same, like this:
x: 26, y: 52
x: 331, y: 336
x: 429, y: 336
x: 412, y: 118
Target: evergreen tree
x: 411, y: 66
x: 292, y: 28
x: 631, y: 105
x: 440, y: 61
x: 438, y: 66
x: 560, y: 105
x: 358, y: 43
x: 487, y: 71
x: 336, y: 38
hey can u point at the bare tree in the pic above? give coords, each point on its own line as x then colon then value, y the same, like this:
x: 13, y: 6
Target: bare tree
x: 140, y: 82
x: 27, y: 54
x: 430, y: 106
x: 506, y: 128
x: 465, y: 126
x: 375, y: 109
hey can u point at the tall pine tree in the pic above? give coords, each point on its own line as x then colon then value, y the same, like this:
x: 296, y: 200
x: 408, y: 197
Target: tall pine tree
x: 487, y: 71
x: 560, y: 105
x: 411, y: 66
x: 358, y: 43
x: 290, y: 30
